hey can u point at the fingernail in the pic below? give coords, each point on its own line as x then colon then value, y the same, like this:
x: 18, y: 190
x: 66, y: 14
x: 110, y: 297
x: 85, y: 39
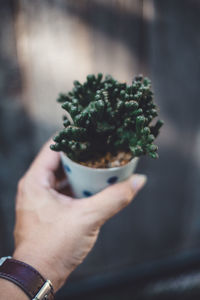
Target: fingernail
x: 138, y: 181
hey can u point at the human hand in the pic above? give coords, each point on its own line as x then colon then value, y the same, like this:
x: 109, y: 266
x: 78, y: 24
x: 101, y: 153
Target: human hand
x: 54, y: 232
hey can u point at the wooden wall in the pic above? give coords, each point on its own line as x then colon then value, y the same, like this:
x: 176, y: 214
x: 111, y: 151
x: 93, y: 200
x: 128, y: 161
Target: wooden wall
x: 44, y: 46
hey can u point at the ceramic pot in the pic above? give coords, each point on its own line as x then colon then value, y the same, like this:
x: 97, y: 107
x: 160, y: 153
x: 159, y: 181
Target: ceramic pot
x: 86, y: 181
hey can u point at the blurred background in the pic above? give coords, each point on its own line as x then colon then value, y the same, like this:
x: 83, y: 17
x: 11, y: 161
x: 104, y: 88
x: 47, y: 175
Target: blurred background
x: 151, y: 250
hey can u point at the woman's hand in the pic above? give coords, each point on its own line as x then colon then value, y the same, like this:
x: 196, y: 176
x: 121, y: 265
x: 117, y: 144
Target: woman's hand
x: 54, y: 232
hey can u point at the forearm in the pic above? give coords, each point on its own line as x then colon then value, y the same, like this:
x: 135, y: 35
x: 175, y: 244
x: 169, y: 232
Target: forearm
x: 9, y: 290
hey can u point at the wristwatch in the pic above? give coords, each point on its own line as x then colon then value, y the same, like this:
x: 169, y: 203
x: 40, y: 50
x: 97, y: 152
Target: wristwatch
x: 27, y: 278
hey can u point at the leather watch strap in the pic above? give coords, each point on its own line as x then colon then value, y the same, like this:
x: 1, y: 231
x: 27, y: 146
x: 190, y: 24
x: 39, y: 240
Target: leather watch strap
x: 27, y: 278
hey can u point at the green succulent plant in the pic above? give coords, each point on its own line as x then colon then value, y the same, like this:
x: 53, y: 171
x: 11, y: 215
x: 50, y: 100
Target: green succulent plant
x: 104, y: 115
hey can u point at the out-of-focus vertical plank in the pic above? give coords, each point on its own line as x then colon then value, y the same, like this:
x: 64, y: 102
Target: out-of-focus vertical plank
x: 9, y: 92
x: 15, y: 129
x: 174, y: 64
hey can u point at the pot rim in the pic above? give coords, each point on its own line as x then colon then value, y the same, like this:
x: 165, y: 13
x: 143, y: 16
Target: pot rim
x: 63, y: 155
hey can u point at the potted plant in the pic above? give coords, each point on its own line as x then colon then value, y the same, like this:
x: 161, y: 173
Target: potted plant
x: 107, y: 126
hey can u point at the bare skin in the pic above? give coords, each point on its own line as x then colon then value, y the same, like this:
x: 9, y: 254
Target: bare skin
x: 54, y: 232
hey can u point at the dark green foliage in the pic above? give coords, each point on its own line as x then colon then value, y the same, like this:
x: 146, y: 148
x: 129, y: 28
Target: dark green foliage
x: 108, y: 116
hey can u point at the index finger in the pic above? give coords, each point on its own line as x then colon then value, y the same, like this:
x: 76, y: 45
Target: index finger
x: 45, y: 164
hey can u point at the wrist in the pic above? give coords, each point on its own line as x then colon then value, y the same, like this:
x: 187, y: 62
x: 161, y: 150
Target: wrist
x: 11, y: 291
x: 42, y: 264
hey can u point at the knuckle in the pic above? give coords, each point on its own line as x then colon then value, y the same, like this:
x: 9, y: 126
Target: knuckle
x: 125, y: 201
x: 127, y: 197
x: 20, y: 186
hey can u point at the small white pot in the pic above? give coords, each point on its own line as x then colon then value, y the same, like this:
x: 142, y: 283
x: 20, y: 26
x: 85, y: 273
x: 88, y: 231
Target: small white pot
x: 86, y: 181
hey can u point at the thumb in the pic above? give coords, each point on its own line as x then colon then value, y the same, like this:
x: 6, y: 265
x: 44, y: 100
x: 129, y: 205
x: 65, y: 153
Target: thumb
x: 111, y: 200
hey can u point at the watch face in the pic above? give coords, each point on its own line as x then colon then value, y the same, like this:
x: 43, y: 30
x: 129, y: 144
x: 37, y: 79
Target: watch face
x: 2, y: 259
